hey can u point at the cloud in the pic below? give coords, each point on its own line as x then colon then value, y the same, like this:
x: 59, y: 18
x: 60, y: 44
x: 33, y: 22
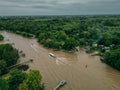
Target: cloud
x: 56, y: 7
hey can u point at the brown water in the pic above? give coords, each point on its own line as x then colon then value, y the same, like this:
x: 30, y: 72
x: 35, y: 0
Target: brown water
x: 67, y: 66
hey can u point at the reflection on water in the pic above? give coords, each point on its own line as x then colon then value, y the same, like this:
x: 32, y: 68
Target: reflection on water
x: 82, y: 71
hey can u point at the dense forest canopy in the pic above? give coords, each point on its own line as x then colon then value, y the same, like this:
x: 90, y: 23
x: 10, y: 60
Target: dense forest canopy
x: 100, y: 33
x: 66, y: 32
x: 8, y: 57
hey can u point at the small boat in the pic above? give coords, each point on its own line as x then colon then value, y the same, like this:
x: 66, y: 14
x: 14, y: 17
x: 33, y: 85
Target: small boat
x: 52, y: 55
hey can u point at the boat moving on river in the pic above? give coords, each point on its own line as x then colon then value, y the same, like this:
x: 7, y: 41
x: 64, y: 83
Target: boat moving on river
x: 52, y: 55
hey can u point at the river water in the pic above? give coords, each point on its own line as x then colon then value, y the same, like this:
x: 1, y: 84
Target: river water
x: 81, y: 71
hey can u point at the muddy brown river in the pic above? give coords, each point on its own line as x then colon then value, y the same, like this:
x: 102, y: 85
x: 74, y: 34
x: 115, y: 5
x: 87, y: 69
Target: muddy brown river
x: 67, y: 66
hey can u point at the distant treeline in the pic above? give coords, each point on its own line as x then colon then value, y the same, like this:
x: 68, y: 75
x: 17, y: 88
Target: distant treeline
x: 67, y: 32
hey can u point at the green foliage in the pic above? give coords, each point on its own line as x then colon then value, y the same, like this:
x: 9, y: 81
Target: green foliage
x: 70, y: 43
x: 23, y: 86
x: 19, y: 80
x: 15, y: 79
x: 1, y: 37
x: 106, y: 39
x: 33, y: 80
x: 25, y: 34
x: 3, y: 84
x: 23, y: 67
x: 53, y: 32
x: 8, y: 54
x: 3, y: 67
x: 8, y: 57
x: 113, y: 58
x: 66, y: 32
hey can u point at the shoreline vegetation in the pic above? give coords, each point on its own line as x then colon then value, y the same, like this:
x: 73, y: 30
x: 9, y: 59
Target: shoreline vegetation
x: 1, y: 37
x: 14, y: 78
x: 99, y: 35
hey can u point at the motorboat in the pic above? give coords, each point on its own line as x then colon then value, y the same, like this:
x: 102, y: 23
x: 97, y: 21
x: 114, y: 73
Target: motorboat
x: 52, y: 55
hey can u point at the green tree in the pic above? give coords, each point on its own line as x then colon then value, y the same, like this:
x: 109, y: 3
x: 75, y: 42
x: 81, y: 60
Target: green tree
x: 23, y: 86
x: 3, y: 67
x: 113, y: 58
x: 70, y: 44
x: 15, y: 79
x: 106, y: 39
x: 61, y: 35
x: 8, y: 54
x: 33, y: 80
x: 3, y: 84
x: 1, y: 37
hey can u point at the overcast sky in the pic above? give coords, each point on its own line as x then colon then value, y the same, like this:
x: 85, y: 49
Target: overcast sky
x: 59, y: 7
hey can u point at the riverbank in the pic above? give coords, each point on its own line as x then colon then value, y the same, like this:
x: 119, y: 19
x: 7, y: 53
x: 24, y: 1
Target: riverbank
x: 67, y: 66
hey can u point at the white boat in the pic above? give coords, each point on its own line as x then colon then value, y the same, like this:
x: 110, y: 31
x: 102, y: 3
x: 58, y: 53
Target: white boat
x: 52, y: 55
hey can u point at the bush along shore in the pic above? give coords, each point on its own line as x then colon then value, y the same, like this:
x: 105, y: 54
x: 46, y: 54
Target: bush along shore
x: 14, y: 78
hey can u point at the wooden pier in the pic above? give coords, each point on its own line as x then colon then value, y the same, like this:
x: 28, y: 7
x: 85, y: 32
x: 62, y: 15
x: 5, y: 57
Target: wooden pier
x: 30, y: 60
x: 61, y: 83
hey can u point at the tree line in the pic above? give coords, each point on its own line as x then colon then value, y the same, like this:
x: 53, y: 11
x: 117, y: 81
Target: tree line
x: 68, y: 32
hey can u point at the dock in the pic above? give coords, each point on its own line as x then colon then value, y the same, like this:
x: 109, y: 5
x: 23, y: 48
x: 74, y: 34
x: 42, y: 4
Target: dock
x: 30, y: 60
x: 60, y: 84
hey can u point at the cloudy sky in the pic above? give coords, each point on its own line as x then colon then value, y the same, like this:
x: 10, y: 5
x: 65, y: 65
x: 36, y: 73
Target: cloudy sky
x: 59, y: 7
